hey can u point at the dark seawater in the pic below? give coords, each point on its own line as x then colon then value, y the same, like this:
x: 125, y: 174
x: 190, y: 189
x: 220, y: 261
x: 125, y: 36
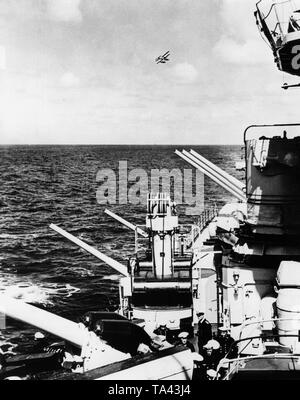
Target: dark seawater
x: 57, y: 184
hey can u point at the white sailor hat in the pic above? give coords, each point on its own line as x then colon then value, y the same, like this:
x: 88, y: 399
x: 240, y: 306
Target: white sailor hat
x: 211, y: 373
x: 197, y: 357
x: 212, y: 344
x: 223, y: 329
x: 39, y: 335
x: 183, y: 335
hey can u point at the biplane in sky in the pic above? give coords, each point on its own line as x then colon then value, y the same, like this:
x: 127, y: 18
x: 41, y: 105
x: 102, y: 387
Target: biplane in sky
x: 163, y: 59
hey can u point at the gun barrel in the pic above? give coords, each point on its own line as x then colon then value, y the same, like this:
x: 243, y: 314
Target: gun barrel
x: 227, y: 183
x: 214, y: 173
x: 44, y: 320
x: 218, y: 170
x: 126, y: 223
x: 108, y: 260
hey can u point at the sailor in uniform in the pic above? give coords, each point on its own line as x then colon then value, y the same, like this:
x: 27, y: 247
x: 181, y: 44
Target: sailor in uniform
x: 183, y: 340
x: 204, y: 331
x: 163, y: 330
x: 40, y: 343
x: 211, y: 354
x: 209, y: 361
x: 226, y: 342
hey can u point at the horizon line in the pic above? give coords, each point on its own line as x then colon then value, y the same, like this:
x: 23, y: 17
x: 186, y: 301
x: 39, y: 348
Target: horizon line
x: 119, y: 144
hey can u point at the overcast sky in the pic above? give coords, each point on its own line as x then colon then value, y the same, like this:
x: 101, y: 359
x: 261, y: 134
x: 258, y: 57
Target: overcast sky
x: 83, y: 71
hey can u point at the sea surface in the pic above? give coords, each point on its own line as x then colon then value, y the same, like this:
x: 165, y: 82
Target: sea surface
x: 40, y: 185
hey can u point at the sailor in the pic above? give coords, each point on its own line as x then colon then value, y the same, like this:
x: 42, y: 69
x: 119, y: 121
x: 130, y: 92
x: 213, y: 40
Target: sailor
x: 86, y: 321
x: 199, y: 372
x: 211, y: 354
x: 226, y: 342
x: 173, y: 208
x: 183, y: 339
x: 163, y: 330
x: 204, y: 331
x: 40, y: 342
x: 98, y: 328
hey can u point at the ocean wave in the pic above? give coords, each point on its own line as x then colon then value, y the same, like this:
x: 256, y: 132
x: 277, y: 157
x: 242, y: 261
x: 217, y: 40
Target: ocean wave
x: 29, y: 292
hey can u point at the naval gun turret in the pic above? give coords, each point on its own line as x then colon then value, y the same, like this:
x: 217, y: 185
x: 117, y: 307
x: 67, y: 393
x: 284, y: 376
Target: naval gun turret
x: 272, y: 181
x: 159, y: 289
x: 156, y: 286
x: 93, y: 354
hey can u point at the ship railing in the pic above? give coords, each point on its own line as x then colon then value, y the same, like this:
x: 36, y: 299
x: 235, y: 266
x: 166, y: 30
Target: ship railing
x: 278, y: 18
x: 261, y: 321
x: 206, y: 217
x: 237, y: 362
x: 184, y: 240
x: 232, y: 364
x: 262, y: 336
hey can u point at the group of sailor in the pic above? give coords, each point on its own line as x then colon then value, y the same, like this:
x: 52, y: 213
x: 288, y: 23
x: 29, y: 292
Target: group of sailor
x: 212, y: 348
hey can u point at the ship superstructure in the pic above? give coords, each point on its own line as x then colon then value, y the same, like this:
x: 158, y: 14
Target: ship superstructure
x: 258, y: 274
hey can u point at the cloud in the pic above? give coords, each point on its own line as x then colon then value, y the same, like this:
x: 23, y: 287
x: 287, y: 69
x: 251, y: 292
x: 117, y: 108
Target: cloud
x: 185, y: 72
x: 241, y: 44
x: 64, y: 10
x: 69, y: 80
x: 245, y: 53
x: 238, y: 18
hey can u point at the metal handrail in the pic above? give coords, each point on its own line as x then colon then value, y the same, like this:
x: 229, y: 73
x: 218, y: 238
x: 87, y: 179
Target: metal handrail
x: 262, y: 321
x: 267, y: 126
x: 241, y: 358
x: 276, y: 335
x: 206, y: 216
